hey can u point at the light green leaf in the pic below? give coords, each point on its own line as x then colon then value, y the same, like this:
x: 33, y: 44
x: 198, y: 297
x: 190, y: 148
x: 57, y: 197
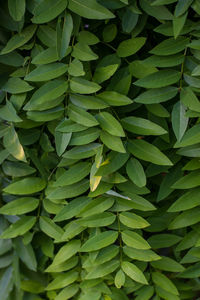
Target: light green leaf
x: 83, y: 52
x: 130, y: 47
x: 12, y: 144
x: 20, y: 206
x: 106, y: 68
x: 167, y: 264
x: 133, y: 272
x: 110, y: 124
x: 119, y: 279
x: 89, y: 9
x: 134, y: 240
x: 188, y: 181
x: 8, y: 113
x: 96, y: 206
x: 80, y: 152
x: 19, y: 228
x: 76, y: 68
x: 46, y: 56
x: 25, y: 186
x: 186, y: 218
x: 17, y: 169
x: 189, y: 99
x: 47, y: 10
x: 87, y: 102
x: 132, y: 220
x: 148, y: 152
x: 67, y: 292
x: 178, y: 23
x: 99, y: 241
x: 62, y: 141
x: 47, y: 72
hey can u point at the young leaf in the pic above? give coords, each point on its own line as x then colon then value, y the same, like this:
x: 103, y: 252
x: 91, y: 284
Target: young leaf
x: 133, y: 272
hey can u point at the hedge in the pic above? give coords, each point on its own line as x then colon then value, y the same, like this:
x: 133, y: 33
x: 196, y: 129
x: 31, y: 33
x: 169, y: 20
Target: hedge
x: 100, y: 149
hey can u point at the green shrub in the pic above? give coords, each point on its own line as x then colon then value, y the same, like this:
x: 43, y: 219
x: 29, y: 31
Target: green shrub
x: 100, y: 147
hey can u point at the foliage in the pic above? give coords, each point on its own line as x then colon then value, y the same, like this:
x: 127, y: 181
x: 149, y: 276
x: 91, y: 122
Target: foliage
x: 100, y: 147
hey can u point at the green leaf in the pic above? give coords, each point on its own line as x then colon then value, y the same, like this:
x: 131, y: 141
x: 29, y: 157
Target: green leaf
x: 68, y: 191
x: 142, y: 126
x: 119, y: 279
x: 46, y: 56
x: 179, y: 120
x: 112, y: 142
x: 98, y: 220
x: 12, y: 144
x: 181, y: 7
x: 76, y: 68
x: 186, y: 201
x: 19, y: 228
x: 6, y: 283
x: 47, y: 10
x: 132, y: 220
x: 89, y: 9
x: 81, y: 116
x: 83, y: 86
x: 16, y: 9
x: 133, y: 272
x: 20, y: 206
x: 159, y: 79
x: 25, y: 186
x: 106, y: 68
x: 140, y: 69
x: 159, y: 12
x: 96, y: 206
x: 87, y: 102
x: 74, y: 174
x: 87, y: 37
x: 80, y: 152
x: 84, y: 137
x: 110, y: 124
x: 72, y: 209
x: 47, y: 72
x: 47, y: 92
x: 67, y: 292
x: 145, y: 151
x: 141, y: 255
x: 189, y: 99
x: 163, y: 240
x: 188, y: 181
x: 109, y: 33
x: 167, y: 264
x: 164, y: 282
x: 170, y: 46
x: 66, y: 252
x: 17, y: 169
x: 62, y: 280
x: 134, y: 240
x: 19, y: 39
x: 185, y: 219
x: 8, y: 113
x: 136, y: 172
x: 50, y: 228
x: 16, y: 86
x: 157, y: 95
x: 114, y: 98
x: 62, y: 141
x: 130, y: 47
x: 103, y: 269
x: 99, y: 241
x: 83, y: 52
x: 178, y: 23
x: 64, y: 31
